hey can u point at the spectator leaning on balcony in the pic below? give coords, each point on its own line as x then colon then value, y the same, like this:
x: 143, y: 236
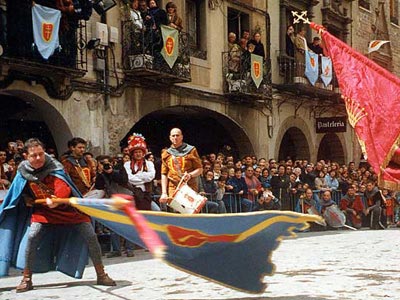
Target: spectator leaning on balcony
x: 234, y: 54
x: 258, y: 45
x: 136, y: 17
x: 290, y: 41
x: 174, y: 20
x: 300, y: 48
x: 315, y: 46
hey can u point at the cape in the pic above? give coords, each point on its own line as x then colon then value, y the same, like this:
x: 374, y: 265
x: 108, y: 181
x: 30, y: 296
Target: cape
x: 69, y: 257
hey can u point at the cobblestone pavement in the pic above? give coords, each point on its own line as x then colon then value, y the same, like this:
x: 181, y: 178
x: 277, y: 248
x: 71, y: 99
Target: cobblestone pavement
x: 330, y: 265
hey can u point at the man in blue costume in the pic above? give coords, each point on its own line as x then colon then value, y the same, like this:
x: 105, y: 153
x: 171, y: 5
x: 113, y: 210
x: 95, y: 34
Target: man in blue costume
x: 39, y: 238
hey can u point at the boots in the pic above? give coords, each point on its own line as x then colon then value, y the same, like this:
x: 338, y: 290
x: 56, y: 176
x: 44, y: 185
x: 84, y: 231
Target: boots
x: 102, y: 277
x: 26, y: 282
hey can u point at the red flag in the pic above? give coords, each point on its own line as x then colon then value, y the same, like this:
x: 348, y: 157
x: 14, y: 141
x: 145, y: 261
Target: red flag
x: 372, y: 99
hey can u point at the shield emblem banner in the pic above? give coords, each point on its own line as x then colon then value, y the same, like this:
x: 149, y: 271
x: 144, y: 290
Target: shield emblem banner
x: 47, y: 31
x: 311, y: 66
x: 326, y: 65
x: 257, y: 69
x: 45, y: 23
x: 170, y: 48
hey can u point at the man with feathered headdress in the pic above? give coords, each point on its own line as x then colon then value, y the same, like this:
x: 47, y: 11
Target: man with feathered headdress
x: 141, y: 172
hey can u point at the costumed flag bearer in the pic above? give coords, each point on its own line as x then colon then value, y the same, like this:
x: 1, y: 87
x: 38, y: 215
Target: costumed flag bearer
x: 40, y: 238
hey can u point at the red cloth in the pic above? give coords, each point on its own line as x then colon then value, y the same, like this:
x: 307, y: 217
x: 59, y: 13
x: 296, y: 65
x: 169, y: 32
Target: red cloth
x: 372, y: 97
x: 62, y: 214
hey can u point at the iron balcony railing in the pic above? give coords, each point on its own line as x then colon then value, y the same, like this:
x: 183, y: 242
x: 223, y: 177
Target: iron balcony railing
x: 142, y: 52
x: 19, y: 47
x: 236, y: 72
x: 292, y: 72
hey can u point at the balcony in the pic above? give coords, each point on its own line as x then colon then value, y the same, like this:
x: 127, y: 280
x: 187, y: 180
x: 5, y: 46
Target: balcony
x: 294, y: 80
x: 143, y: 62
x: 21, y: 59
x: 237, y: 81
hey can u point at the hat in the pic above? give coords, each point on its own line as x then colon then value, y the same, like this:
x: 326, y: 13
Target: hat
x: 137, y: 141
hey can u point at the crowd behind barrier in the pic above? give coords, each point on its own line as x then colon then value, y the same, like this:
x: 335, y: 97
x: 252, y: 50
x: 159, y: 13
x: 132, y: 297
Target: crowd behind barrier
x: 248, y: 184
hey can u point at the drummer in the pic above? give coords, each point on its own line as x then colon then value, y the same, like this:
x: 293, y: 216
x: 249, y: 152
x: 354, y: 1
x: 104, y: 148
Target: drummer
x: 180, y: 160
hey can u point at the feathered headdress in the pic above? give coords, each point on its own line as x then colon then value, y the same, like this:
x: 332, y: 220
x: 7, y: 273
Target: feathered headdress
x: 137, y: 141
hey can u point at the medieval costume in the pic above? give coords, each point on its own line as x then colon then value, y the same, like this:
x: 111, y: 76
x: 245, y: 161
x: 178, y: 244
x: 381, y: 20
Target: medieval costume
x: 177, y: 161
x: 353, y: 208
x: 141, y: 172
x: 376, y: 210
x: 25, y: 229
x: 81, y: 171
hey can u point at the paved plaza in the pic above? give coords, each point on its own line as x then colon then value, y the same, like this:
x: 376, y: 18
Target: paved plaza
x: 317, y: 266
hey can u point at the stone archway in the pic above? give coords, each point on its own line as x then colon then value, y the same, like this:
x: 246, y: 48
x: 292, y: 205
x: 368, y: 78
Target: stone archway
x: 27, y: 115
x: 294, y: 145
x: 208, y: 130
x: 330, y: 148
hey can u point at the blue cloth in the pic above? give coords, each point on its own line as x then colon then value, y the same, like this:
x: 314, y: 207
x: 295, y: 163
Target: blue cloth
x: 61, y: 250
x: 214, y: 246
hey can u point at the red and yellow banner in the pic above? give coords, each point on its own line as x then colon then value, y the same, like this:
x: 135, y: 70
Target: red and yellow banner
x: 372, y: 98
x: 170, y: 48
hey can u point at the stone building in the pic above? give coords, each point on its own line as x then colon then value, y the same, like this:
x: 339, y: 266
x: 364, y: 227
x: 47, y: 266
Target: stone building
x: 108, y: 79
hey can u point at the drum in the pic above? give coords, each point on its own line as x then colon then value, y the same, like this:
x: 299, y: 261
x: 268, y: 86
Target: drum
x: 187, y: 201
x: 97, y: 194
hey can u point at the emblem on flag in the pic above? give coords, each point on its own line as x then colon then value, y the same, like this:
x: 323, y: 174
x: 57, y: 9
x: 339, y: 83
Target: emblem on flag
x: 326, y: 66
x: 257, y: 69
x: 311, y: 66
x: 375, y: 45
x: 45, y: 23
x: 47, y: 31
x: 170, y: 48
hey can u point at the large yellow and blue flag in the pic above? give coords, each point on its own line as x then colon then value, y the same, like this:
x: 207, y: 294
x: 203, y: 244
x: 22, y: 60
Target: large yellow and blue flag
x: 231, y: 249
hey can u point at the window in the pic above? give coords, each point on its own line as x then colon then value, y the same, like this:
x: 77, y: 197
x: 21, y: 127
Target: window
x: 238, y: 22
x: 394, y: 11
x: 195, y: 27
x: 364, y: 4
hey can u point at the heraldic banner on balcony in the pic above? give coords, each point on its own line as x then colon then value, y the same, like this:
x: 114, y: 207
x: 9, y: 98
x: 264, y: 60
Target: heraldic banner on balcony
x: 326, y: 66
x: 170, y: 48
x: 311, y: 66
x: 257, y: 69
x: 46, y: 22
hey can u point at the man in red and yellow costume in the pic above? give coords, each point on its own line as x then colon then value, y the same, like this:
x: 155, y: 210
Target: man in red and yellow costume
x: 59, y: 236
x: 77, y: 167
x: 179, y: 161
x: 352, y: 206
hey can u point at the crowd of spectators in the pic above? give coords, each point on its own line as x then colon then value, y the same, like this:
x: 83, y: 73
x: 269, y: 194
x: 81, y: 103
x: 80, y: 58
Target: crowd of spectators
x: 252, y: 184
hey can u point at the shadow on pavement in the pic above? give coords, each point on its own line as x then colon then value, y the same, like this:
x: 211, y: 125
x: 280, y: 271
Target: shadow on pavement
x: 77, y: 283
